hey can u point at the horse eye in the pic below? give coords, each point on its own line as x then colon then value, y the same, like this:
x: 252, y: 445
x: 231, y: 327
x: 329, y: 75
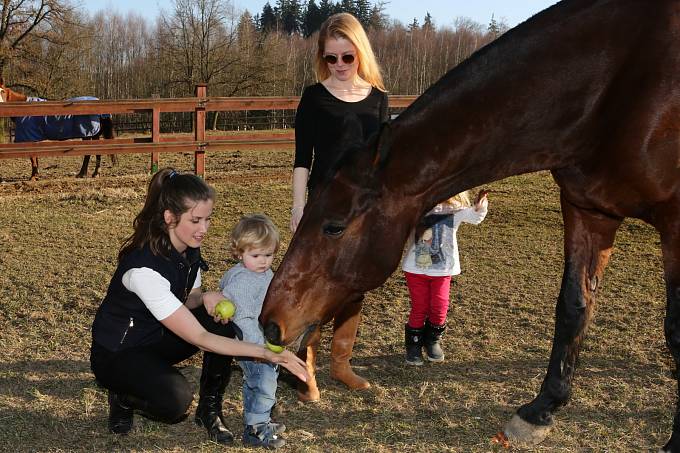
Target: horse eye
x: 333, y: 229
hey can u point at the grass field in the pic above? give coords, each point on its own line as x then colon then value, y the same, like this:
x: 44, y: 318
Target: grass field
x: 59, y: 238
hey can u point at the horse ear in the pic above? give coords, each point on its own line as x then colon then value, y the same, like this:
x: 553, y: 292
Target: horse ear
x: 384, y: 145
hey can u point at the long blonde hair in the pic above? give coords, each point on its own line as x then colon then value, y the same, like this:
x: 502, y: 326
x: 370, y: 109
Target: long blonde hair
x: 345, y: 25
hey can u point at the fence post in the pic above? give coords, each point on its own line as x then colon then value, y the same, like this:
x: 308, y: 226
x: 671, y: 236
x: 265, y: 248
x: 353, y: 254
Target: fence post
x: 199, y: 131
x: 155, y: 136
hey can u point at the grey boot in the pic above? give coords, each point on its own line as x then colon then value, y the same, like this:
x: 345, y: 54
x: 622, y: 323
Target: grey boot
x: 214, y: 379
x: 414, y: 345
x: 432, y: 347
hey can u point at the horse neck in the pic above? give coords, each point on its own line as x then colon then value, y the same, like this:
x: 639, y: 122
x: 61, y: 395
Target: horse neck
x: 13, y: 96
x: 518, y: 105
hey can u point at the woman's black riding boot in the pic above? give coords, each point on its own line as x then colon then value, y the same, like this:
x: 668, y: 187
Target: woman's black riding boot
x: 120, y: 415
x: 122, y: 408
x: 214, y: 379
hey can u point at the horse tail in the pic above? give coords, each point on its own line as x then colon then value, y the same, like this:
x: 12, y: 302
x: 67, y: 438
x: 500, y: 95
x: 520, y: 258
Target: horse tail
x: 107, y: 126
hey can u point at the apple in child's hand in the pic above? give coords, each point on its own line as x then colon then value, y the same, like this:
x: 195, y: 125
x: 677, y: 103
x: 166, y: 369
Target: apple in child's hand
x: 225, y: 309
x: 274, y: 348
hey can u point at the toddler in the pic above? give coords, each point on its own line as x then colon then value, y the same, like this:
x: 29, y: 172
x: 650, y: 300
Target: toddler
x: 432, y: 258
x: 254, y: 242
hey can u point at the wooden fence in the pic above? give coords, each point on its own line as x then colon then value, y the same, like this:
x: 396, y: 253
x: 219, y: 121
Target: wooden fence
x: 157, y: 143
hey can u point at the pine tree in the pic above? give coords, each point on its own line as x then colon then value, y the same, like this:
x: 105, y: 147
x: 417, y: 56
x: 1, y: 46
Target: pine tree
x: 413, y: 26
x: 289, y: 12
x: 494, y: 29
x: 347, y: 6
x: 363, y: 11
x: 268, y: 19
x: 312, y: 19
x: 378, y: 19
x: 325, y: 9
x: 428, y: 25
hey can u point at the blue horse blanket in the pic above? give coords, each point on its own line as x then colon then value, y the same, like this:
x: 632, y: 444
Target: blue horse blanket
x: 57, y: 127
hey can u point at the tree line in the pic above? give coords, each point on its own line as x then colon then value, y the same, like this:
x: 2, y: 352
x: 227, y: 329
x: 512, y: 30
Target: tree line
x: 53, y: 49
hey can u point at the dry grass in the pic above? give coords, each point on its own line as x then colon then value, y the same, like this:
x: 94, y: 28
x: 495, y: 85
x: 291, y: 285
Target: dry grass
x: 58, y: 241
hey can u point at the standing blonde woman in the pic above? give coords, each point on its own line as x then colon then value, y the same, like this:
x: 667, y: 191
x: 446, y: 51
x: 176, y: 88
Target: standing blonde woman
x: 350, y: 86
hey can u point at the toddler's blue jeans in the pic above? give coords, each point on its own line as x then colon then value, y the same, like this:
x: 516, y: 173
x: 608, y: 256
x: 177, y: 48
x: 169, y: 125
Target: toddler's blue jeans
x: 259, y: 390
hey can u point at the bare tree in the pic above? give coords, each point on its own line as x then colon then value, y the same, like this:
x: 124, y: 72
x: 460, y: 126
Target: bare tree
x: 27, y: 28
x: 199, y: 42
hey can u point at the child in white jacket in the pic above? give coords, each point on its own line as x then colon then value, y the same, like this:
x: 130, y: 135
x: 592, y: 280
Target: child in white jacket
x: 430, y: 261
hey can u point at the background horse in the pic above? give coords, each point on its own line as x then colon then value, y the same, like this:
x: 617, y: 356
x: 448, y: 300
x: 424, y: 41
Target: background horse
x: 59, y: 127
x: 587, y: 89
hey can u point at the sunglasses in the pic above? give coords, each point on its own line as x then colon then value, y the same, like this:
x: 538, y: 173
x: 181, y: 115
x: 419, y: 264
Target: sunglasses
x: 347, y: 58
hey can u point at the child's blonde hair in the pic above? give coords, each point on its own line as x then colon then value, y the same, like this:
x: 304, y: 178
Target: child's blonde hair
x: 346, y: 26
x: 460, y: 201
x: 254, y: 231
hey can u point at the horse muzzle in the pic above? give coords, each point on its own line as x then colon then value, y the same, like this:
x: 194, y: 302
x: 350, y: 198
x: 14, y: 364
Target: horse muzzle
x: 272, y: 333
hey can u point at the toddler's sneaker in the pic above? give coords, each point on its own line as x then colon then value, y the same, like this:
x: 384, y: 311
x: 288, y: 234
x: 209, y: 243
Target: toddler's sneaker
x: 264, y: 435
x: 278, y: 428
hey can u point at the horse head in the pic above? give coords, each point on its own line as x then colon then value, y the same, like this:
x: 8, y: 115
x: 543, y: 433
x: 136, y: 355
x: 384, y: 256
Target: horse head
x: 9, y: 95
x: 353, y: 217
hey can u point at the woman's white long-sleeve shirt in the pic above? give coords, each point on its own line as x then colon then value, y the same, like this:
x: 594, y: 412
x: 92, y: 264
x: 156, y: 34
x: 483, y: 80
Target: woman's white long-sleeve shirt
x: 436, y: 253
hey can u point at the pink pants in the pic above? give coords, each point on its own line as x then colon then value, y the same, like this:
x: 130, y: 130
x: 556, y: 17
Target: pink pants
x: 429, y: 299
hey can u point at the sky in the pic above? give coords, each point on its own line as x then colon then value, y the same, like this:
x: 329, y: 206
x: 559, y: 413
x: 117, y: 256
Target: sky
x: 444, y: 12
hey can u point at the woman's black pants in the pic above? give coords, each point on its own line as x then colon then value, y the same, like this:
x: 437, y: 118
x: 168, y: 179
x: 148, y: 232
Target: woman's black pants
x: 146, y: 375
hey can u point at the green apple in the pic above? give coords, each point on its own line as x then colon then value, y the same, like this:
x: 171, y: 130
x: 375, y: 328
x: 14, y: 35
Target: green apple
x: 225, y: 309
x: 273, y: 347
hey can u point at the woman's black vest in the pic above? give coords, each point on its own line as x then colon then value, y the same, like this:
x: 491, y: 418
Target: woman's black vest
x: 122, y: 320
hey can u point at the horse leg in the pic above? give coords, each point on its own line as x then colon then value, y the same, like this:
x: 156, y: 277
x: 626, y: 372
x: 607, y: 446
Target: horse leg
x: 83, y: 168
x: 667, y: 221
x: 97, y: 164
x: 345, y: 326
x: 588, y: 239
x: 34, y: 169
x: 309, y: 391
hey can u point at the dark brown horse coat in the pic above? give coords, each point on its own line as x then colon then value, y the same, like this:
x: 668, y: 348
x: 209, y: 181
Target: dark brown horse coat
x: 589, y: 89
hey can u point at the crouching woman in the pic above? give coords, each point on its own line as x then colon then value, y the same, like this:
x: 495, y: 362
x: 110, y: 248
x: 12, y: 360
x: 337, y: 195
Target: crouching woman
x: 155, y: 315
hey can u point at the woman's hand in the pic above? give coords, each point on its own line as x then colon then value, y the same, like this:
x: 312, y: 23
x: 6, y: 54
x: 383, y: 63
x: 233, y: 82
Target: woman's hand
x: 295, y: 216
x: 290, y: 361
x: 210, y: 300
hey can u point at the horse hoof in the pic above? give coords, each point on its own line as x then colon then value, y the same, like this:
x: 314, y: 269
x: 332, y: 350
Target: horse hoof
x: 80, y: 175
x: 519, y: 431
x: 34, y: 178
x: 304, y: 398
x: 310, y: 395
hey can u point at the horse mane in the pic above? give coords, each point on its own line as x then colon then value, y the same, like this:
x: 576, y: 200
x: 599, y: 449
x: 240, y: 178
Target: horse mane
x: 348, y: 147
x: 503, y: 48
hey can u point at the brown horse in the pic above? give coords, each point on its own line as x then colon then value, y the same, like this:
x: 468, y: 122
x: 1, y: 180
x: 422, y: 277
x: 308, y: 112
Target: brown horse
x: 104, y: 122
x: 589, y: 89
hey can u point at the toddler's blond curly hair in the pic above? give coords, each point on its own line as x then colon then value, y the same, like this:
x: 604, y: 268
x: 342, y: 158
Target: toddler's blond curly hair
x: 254, y: 231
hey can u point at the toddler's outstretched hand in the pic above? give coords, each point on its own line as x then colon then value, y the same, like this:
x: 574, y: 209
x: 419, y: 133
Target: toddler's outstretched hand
x: 481, y: 202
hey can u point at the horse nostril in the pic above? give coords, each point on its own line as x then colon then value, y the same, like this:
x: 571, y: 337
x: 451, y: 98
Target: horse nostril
x: 272, y: 332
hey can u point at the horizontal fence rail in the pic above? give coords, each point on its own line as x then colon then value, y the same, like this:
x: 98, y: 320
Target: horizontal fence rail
x: 157, y: 143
